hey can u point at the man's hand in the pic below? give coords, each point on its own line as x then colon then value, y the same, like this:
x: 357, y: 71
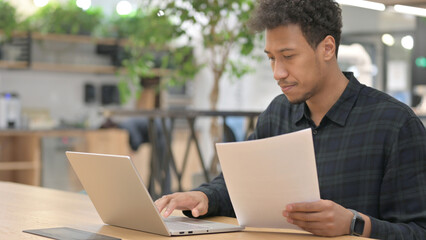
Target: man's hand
x: 323, y: 218
x: 195, y: 201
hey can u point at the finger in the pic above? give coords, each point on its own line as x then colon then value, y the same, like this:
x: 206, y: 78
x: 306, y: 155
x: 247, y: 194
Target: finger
x: 311, y: 226
x: 200, y: 209
x: 305, y: 216
x: 316, y: 232
x: 195, y: 212
x: 170, y: 208
x: 161, y: 203
x: 307, y: 206
x: 320, y: 232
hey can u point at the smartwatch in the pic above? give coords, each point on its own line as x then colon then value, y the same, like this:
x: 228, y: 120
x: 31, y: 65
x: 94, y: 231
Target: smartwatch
x: 357, y: 224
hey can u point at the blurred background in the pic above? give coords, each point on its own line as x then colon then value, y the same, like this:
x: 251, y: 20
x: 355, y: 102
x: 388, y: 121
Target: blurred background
x: 86, y: 75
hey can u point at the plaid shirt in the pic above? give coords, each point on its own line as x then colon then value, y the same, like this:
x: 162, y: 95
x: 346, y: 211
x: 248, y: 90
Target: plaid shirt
x: 371, y: 156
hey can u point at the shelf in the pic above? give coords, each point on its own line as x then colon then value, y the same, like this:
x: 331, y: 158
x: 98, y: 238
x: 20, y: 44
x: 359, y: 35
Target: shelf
x: 69, y: 38
x: 77, y: 39
x: 7, y: 166
x: 13, y: 64
x: 65, y: 67
x: 53, y: 67
x: 16, y: 34
x: 74, y: 68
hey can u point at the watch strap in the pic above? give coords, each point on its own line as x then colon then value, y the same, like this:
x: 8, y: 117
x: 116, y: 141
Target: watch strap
x: 357, y: 219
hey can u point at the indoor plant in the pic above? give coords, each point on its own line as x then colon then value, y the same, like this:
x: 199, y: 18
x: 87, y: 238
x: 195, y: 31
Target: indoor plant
x: 65, y: 19
x: 8, y: 22
x: 150, y: 48
x: 223, y: 31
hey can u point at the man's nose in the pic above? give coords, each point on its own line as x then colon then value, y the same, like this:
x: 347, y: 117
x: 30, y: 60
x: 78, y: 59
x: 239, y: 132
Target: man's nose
x: 280, y: 71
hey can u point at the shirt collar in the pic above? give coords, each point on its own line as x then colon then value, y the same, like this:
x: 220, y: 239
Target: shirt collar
x: 299, y: 112
x: 340, y: 111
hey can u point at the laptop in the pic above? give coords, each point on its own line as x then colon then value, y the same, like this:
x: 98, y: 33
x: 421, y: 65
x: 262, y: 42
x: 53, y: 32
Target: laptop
x: 121, y: 199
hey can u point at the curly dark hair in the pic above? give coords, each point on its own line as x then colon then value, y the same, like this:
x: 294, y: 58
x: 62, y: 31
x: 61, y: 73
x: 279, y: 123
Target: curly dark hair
x: 316, y: 18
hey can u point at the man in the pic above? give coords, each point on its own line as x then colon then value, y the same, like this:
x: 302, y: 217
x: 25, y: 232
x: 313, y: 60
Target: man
x: 370, y: 149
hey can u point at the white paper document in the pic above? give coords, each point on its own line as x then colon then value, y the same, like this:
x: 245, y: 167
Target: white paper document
x: 263, y: 176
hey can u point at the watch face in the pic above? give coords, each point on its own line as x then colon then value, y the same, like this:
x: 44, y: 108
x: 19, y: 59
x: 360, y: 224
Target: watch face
x: 359, y: 226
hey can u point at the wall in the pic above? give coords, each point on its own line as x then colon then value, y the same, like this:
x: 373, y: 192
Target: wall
x: 359, y: 20
x: 61, y: 94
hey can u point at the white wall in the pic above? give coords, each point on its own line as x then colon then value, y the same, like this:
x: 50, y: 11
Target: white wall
x: 61, y: 94
x: 356, y: 20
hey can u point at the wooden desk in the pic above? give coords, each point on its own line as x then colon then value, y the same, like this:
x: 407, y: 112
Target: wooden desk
x: 28, y: 207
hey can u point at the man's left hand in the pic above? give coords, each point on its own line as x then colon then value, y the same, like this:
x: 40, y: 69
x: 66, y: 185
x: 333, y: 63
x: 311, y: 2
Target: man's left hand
x: 323, y: 218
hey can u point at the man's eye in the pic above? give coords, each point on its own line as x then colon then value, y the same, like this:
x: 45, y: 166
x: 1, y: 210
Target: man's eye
x: 288, y: 57
x: 271, y: 59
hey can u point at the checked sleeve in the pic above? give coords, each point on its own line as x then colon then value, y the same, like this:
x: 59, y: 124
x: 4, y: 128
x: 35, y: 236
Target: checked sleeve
x: 403, y: 192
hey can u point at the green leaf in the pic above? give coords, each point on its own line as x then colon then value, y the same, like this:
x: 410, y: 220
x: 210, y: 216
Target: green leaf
x: 65, y: 19
x: 8, y: 20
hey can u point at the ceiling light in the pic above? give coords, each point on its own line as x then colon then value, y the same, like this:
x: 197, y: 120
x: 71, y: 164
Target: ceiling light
x: 410, y: 10
x: 124, y: 7
x: 84, y: 4
x: 40, y: 3
x: 363, y: 4
x: 388, y: 39
x: 407, y: 42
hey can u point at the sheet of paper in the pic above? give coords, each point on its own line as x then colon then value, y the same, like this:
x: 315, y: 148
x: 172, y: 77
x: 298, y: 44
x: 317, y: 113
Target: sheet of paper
x: 263, y: 176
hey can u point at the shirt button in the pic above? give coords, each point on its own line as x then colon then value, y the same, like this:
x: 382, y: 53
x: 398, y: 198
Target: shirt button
x: 314, y: 132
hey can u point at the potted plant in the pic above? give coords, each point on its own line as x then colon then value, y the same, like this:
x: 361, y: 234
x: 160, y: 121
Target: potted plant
x: 223, y: 29
x: 150, y: 52
x: 65, y: 19
x: 8, y: 22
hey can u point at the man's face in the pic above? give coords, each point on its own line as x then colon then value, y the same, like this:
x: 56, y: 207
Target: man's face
x: 295, y: 64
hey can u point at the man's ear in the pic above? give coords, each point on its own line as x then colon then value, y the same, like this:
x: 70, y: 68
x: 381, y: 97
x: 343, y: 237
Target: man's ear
x: 328, y: 45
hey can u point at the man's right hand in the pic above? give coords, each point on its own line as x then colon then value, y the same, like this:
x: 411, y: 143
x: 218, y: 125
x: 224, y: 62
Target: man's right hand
x: 195, y: 201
